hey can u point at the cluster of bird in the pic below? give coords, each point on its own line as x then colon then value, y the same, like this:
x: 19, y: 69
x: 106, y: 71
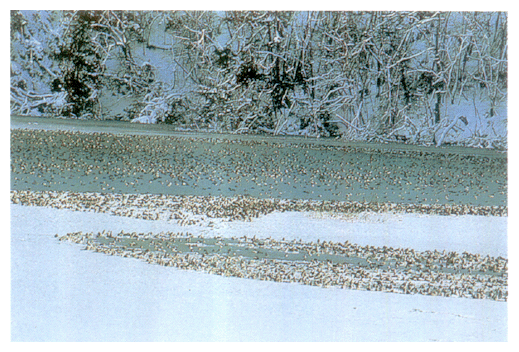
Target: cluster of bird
x: 324, y: 264
x: 190, y: 210
x: 102, y: 162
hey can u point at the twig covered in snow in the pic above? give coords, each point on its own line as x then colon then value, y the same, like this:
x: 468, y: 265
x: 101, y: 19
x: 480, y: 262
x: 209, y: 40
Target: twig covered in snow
x: 451, y: 125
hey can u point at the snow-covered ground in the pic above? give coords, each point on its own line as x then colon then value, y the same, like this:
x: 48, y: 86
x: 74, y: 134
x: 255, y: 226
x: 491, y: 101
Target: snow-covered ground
x: 60, y: 292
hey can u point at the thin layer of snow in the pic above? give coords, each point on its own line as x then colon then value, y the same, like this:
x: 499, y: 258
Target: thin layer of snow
x: 60, y: 292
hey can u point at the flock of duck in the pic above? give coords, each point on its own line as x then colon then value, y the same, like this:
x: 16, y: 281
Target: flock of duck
x: 191, y: 181
x: 324, y: 264
x: 109, y: 163
x: 189, y: 210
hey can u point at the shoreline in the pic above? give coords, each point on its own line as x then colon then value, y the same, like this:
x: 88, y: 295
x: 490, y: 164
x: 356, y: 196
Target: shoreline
x: 129, y: 128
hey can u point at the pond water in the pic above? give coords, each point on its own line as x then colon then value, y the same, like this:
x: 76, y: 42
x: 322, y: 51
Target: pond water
x: 257, y: 167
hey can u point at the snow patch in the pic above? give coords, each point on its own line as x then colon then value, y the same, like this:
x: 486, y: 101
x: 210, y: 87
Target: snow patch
x: 63, y: 293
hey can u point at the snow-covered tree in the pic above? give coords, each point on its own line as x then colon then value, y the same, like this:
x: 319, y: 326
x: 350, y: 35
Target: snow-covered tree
x: 362, y: 75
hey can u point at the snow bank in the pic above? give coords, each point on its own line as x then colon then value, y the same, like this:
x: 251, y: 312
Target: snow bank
x: 63, y: 293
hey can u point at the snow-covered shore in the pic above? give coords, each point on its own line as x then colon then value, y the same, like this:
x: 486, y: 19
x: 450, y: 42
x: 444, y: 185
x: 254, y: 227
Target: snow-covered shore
x: 60, y: 292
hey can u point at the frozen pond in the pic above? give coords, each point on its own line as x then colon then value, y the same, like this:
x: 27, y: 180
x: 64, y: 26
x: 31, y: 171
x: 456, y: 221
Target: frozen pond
x: 61, y: 292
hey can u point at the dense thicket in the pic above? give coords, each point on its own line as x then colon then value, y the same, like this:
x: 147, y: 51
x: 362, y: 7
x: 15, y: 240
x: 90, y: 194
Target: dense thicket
x: 359, y: 74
